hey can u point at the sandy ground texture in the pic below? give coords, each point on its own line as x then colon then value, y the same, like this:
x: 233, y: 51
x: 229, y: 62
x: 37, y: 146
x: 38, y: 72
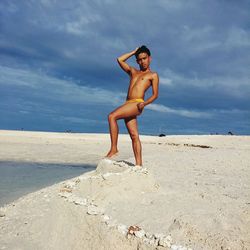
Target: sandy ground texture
x: 192, y: 193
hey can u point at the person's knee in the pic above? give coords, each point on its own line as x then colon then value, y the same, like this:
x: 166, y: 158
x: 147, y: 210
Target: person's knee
x: 134, y: 136
x: 111, y: 116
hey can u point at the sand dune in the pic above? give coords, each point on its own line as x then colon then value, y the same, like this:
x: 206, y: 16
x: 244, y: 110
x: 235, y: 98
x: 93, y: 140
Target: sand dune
x: 193, y: 193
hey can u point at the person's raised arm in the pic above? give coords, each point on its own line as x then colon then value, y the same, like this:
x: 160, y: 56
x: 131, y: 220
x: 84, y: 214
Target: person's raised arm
x: 121, y: 60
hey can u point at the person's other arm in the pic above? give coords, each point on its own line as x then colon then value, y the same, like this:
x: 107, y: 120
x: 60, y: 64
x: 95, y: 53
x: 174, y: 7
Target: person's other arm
x: 155, y: 90
x: 121, y: 60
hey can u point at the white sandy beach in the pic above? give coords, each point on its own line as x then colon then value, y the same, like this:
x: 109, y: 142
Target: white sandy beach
x: 187, y: 196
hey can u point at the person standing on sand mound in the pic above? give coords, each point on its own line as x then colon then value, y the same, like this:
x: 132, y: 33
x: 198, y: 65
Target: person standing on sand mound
x: 140, y: 81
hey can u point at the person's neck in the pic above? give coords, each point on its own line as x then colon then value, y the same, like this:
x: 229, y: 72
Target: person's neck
x: 145, y: 70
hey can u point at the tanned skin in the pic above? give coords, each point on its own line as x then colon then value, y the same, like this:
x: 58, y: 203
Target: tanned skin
x: 140, y: 81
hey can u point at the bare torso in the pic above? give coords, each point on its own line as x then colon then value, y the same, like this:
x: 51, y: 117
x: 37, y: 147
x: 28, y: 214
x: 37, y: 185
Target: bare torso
x: 139, y: 83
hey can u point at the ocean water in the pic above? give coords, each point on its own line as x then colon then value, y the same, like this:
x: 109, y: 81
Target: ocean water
x: 18, y: 178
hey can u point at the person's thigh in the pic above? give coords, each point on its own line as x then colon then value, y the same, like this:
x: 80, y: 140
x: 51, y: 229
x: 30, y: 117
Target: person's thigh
x: 125, y: 111
x: 131, y: 124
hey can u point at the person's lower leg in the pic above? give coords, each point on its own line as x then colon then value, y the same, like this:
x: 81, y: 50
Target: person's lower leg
x: 136, y: 143
x: 113, y: 130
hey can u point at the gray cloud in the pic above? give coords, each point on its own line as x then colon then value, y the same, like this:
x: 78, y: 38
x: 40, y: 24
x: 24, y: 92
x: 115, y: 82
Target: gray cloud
x: 200, y: 52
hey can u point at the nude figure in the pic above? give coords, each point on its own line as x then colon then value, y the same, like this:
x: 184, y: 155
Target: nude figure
x: 140, y: 81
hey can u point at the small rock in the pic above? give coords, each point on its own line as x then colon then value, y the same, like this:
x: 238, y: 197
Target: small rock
x: 80, y: 201
x: 152, y: 241
x: 175, y: 247
x: 70, y: 184
x: 139, y: 170
x: 158, y: 236
x: 77, y: 181
x: 70, y: 198
x: 107, y: 175
x: 2, y: 214
x: 166, y: 241
x: 111, y: 223
x: 139, y: 234
x: 149, y: 235
x: 122, y: 229
x: 105, y: 218
x: 94, y: 210
x: 146, y: 240
x: 65, y: 195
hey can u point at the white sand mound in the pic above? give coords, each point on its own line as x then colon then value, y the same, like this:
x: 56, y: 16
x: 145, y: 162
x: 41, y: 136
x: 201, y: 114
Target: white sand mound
x: 46, y: 220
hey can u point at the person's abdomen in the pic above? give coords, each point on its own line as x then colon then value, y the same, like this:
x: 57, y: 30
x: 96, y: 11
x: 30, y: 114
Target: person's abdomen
x: 136, y: 92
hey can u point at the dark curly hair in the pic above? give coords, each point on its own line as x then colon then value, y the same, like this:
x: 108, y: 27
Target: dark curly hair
x: 142, y: 49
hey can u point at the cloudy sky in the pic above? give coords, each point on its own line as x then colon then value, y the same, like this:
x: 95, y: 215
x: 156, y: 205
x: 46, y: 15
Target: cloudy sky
x: 58, y: 68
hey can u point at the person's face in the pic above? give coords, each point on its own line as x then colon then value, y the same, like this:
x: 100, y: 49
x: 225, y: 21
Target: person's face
x: 143, y: 60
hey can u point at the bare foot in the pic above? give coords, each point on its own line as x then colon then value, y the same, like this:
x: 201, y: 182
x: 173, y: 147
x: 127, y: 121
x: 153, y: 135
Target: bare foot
x: 138, y: 166
x: 112, y: 153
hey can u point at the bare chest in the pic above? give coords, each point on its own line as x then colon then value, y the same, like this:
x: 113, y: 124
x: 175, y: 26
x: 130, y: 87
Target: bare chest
x: 141, y: 80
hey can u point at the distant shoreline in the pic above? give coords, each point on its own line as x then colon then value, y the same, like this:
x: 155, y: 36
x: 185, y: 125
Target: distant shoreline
x: 102, y: 133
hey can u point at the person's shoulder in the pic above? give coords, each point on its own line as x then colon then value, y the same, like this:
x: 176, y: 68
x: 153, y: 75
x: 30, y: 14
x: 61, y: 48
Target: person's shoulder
x: 154, y: 74
x: 133, y: 70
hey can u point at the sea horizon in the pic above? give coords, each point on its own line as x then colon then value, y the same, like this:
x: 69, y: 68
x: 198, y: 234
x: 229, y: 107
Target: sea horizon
x: 124, y: 133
